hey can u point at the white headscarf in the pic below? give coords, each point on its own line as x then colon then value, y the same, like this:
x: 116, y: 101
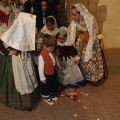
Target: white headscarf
x: 64, y: 31
x: 49, y: 32
x: 91, y: 26
x: 21, y: 35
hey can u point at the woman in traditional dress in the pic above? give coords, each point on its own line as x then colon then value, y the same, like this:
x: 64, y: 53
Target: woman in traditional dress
x: 88, y: 43
x: 18, y: 83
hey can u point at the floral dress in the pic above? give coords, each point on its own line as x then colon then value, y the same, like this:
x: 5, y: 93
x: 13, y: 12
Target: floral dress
x: 94, y: 68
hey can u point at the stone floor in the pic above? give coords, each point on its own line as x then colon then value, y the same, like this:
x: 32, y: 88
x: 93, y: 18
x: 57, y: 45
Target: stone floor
x: 101, y: 102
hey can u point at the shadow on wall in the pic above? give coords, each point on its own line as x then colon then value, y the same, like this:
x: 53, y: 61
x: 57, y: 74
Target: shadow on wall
x: 100, y: 12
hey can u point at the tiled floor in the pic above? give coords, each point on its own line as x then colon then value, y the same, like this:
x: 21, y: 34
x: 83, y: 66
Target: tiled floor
x: 102, y: 102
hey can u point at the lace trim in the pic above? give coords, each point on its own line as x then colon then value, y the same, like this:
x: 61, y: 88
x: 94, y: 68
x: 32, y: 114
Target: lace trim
x: 21, y: 84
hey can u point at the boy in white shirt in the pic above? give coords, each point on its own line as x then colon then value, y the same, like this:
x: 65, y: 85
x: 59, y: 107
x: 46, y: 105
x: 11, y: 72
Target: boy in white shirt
x: 46, y: 68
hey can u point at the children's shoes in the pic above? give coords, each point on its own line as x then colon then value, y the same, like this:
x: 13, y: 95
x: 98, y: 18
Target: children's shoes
x: 49, y: 101
x: 53, y: 97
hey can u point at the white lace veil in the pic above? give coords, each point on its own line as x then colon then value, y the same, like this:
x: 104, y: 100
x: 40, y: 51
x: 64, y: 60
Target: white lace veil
x: 64, y: 31
x: 91, y: 26
x: 46, y: 31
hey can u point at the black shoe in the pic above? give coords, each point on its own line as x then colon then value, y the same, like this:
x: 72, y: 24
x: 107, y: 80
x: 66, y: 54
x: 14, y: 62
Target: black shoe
x: 49, y: 101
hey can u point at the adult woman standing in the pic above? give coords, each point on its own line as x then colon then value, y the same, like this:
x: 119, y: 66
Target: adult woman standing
x: 89, y: 42
x: 18, y: 84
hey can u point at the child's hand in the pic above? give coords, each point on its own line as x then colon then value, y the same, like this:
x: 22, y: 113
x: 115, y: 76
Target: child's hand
x: 60, y: 67
x: 77, y: 62
x: 43, y: 81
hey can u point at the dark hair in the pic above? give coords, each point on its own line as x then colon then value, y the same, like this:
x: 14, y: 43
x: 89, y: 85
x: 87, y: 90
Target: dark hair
x: 49, y: 41
x: 38, y: 13
x: 73, y: 7
x: 50, y: 20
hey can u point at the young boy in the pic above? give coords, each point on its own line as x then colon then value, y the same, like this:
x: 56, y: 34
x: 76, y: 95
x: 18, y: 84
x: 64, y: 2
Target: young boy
x: 46, y: 68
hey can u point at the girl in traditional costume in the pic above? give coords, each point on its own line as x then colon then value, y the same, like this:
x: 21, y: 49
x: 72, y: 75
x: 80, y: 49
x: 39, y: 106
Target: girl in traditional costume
x: 88, y: 43
x: 69, y: 73
x: 50, y: 28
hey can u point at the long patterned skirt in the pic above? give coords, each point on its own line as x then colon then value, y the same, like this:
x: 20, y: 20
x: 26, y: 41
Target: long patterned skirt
x: 9, y: 96
x: 94, y: 68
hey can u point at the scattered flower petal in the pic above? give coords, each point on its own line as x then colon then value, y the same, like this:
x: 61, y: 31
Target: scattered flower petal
x: 75, y: 115
x: 79, y: 100
x: 85, y: 94
x: 70, y: 93
x: 60, y: 103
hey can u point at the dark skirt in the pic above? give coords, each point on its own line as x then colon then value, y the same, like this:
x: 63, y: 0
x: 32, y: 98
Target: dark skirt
x: 104, y: 66
x: 9, y: 96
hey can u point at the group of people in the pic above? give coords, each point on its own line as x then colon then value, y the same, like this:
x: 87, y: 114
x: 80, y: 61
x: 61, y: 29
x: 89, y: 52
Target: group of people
x: 63, y: 56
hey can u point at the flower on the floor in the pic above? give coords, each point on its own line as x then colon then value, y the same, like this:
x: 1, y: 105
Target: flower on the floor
x: 79, y: 100
x: 85, y: 94
x: 70, y: 93
x: 60, y: 103
x: 75, y: 115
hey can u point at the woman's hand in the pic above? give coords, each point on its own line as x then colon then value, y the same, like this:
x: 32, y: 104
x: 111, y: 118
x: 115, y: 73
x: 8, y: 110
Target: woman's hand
x: 12, y: 52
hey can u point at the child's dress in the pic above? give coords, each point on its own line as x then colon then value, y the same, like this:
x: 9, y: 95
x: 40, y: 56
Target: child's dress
x: 67, y: 55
